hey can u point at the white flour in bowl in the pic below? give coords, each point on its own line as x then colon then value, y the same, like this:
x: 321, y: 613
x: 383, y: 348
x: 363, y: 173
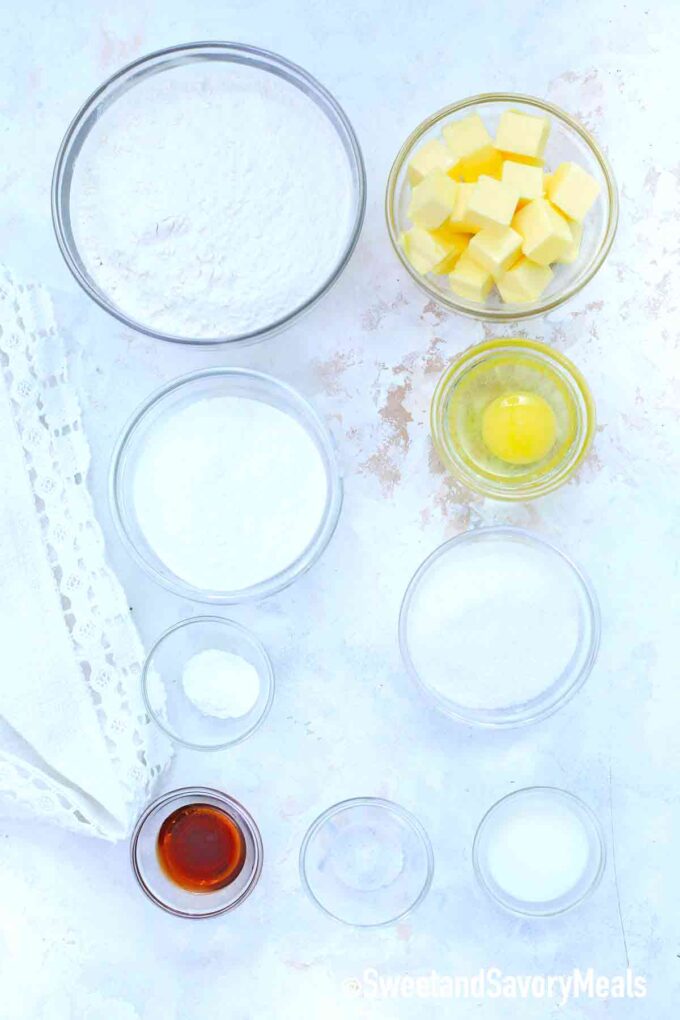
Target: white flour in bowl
x: 211, y: 200
x: 229, y: 491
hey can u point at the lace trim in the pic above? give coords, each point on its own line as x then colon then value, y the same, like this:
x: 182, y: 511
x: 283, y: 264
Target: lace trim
x: 105, y: 642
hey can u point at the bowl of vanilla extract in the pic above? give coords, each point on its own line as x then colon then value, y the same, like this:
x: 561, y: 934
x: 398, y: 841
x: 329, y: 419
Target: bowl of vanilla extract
x: 196, y: 852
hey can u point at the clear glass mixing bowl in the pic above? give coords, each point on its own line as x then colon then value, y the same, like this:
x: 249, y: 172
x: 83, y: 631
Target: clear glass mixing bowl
x: 160, y: 62
x: 174, y: 397
x: 568, y: 141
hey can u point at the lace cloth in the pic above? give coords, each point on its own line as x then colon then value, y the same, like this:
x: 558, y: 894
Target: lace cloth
x: 76, y: 746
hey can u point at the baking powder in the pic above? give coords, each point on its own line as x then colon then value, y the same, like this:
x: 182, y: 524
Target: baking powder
x: 211, y: 200
x: 221, y: 684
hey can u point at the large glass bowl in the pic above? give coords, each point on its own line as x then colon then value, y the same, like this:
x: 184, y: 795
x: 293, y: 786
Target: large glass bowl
x: 568, y: 141
x: 163, y: 61
x: 173, y: 398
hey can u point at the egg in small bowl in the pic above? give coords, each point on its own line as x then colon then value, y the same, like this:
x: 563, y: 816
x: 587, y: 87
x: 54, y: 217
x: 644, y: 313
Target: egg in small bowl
x: 512, y: 418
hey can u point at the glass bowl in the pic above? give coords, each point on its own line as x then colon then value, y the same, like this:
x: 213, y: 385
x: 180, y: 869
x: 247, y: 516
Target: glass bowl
x: 366, y: 862
x: 173, y: 398
x: 165, y: 696
x: 171, y: 897
x: 166, y: 61
x: 531, y: 482
x: 568, y: 141
x: 450, y: 628
x: 522, y: 816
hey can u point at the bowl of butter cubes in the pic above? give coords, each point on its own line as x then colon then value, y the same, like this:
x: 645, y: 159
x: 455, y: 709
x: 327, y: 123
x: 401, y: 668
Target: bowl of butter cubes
x: 501, y: 206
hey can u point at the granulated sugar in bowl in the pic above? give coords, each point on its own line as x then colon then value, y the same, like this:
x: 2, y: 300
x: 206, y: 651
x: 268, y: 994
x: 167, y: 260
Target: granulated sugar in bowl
x: 208, y: 193
x: 225, y: 486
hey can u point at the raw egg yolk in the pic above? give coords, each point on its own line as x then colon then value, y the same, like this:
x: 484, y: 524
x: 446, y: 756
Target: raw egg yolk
x: 519, y: 428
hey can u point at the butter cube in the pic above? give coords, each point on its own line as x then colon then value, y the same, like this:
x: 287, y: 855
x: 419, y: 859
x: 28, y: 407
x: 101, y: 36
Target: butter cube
x: 492, y: 203
x: 432, y: 200
x: 433, y: 251
x: 496, y: 248
x: 467, y: 136
x: 460, y: 220
x: 527, y: 180
x: 576, y: 234
x: 524, y: 282
x: 454, y: 243
x: 470, y: 280
x: 545, y: 232
x: 433, y: 155
x: 488, y: 161
x: 422, y: 250
x: 472, y: 148
x: 522, y: 133
x: 527, y: 160
x: 573, y: 190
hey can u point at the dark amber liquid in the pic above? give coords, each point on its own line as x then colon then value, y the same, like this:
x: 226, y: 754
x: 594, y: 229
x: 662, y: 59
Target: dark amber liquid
x: 201, y: 848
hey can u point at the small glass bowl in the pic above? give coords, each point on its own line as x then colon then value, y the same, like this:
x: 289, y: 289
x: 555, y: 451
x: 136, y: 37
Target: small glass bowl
x: 530, y: 484
x: 179, y: 394
x: 163, y: 61
x: 153, y: 881
x: 167, y: 701
x: 558, y: 689
x: 510, y: 807
x: 568, y: 141
x: 366, y: 862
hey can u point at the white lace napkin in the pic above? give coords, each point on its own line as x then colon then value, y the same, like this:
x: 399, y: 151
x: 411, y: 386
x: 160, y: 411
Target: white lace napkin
x: 75, y: 744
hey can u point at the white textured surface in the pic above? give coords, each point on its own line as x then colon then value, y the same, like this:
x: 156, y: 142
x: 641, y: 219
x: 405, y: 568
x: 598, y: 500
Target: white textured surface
x: 78, y: 939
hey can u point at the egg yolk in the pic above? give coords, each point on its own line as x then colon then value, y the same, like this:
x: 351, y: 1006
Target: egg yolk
x: 519, y: 428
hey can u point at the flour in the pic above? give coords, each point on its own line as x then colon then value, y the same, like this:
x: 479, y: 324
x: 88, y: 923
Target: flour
x: 494, y: 624
x: 221, y: 684
x: 229, y: 491
x: 211, y: 200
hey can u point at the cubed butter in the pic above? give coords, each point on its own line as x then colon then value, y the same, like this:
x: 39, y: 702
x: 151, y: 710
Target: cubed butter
x: 460, y: 220
x: 472, y: 148
x: 454, y: 243
x: 470, y: 280
x: 524, y: 282
x: 433, y: 155
x: 527, y: 180
x: 522, y: 133
x: 422, y: 250
x: 496, y: 248
x: 492, y: 203
x: 432, y: 200
x: 545, y: 232
x: 527, y: 160
x: 576, y: 234
x: 573, y: 190
x: 433, y: 251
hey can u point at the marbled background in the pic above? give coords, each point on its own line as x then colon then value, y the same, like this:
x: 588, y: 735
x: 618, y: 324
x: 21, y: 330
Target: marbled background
x: 78, y: 940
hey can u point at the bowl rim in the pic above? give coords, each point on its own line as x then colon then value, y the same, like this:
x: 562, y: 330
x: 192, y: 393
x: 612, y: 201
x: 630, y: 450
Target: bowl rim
x: 391, y: 807
x: 516, y: 312
x: 544, y: 484
x: 243, y: 815
x: 460, y: 713
x: 321, y: 435
x: 583, y: 809
x: 268, y: 677
x: 172, y: 56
